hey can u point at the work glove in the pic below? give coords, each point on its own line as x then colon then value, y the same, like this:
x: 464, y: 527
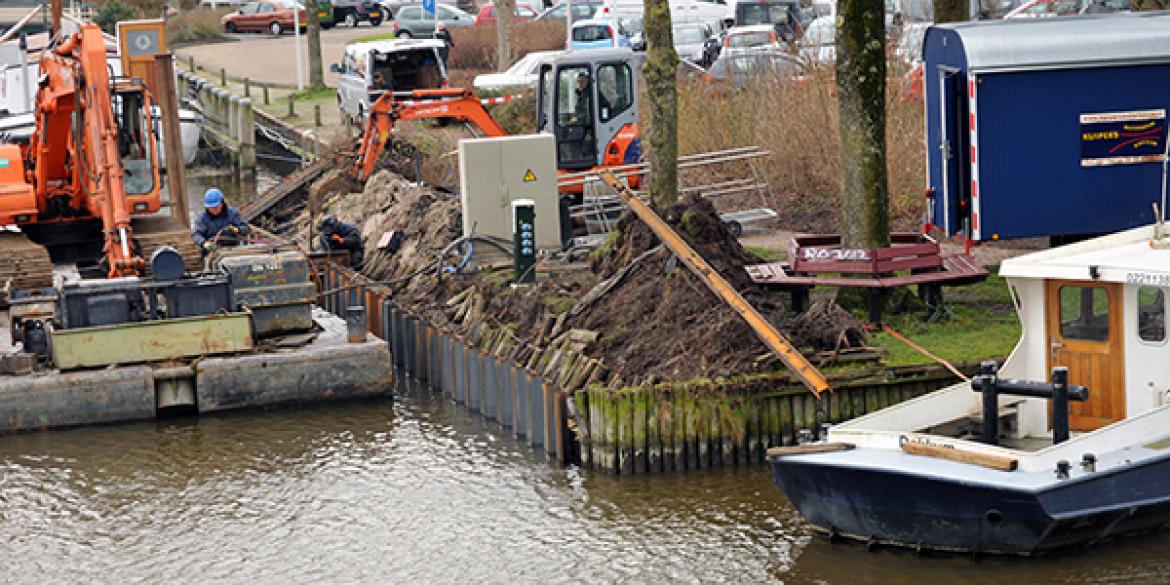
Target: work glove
x: 234, y: 229
x: 209, y: 245
x: 337, y: 238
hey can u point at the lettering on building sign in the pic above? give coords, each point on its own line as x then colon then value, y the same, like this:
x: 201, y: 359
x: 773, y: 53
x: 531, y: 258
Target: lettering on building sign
x: 1123, y: 138
x: 834, y: 254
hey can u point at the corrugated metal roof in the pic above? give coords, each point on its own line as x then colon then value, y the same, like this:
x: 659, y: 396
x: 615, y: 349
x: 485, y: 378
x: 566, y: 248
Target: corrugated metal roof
x: 1075, y: 41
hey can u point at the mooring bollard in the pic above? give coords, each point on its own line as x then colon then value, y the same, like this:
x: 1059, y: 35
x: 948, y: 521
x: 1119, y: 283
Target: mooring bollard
x: 247, y: 136
x: 355, y: 323
x: 317, y: 115
x: 191, y: 63
x: 291, y: 107
x: 233, y: 119
x: 223, y: 76
x: 247, y: 87
x: 265, y: 88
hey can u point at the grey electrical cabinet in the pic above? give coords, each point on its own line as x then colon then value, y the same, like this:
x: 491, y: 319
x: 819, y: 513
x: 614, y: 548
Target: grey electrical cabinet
x: 494, y: 172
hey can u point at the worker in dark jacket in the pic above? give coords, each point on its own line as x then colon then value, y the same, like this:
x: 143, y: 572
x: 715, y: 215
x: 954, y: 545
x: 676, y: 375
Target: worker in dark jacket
x: 219, y: 224
x: 338, y: 235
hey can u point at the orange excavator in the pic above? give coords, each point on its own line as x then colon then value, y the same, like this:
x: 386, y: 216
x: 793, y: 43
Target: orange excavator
x: 91, y: 165
x: 585, y: 99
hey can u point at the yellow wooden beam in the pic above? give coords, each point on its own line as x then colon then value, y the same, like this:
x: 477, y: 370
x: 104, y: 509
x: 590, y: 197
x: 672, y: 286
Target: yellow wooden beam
x: 772, y: 338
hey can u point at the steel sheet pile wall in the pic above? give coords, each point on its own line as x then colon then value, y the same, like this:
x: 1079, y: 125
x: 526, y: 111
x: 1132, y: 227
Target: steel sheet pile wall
x: 558, y: 402
x: 457, y: 369
x: 688, y: 426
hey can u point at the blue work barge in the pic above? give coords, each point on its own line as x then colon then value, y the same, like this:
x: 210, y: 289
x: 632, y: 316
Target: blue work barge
x: 245, y: 333
x: 1046, y: 127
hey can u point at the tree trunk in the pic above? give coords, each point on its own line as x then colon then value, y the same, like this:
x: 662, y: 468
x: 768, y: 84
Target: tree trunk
x: 660, y: 72
x: 313, y: 28
x: 861, y: 89
x: 504, y: 11
x: 951, y: 10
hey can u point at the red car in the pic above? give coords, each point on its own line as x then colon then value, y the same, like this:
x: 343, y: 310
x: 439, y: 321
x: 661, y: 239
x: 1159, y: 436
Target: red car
x: 274, y: 16
x: 487, y: 14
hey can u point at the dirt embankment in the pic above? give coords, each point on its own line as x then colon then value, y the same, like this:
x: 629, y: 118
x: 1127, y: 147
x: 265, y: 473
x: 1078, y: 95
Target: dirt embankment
x: 652, y: 316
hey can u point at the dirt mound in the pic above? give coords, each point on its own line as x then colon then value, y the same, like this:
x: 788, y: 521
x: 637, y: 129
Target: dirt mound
x: 662, y: 320
x: 427, y: 219
x: 654, y: 318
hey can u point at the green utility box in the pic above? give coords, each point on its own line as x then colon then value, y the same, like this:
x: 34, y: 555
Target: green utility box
x: 524, y: 240
x: 274, y: 284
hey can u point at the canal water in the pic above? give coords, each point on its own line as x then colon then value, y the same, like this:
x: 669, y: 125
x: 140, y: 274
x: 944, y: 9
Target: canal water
x: 419, y: 490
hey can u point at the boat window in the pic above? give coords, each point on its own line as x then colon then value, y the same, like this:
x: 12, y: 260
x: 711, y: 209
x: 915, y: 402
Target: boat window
x: 1151, y: 314
x: 1084, y: 313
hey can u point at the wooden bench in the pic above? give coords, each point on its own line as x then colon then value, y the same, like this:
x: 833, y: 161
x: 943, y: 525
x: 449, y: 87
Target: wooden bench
x: 819, y: 261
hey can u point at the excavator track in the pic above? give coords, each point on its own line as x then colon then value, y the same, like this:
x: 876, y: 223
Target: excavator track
x: 24, y: 264
x: 153, y: 233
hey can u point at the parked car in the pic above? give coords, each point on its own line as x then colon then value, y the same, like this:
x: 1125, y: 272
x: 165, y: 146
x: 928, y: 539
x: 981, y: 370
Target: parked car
x: 325, y: 14
x: 696, y: 42
x: 522, y: 73
x: 274, y: 16
x: 746, y: 37
x: 631, y: 26
x: 413, y: 21
x: 739, y: 66
x: 487, y: 14
x: 351, y: 12
x: 581, y: 10
x: 369, y: 69
x: 819, y: 43
x: 596, y: 33
x: 783, y: 15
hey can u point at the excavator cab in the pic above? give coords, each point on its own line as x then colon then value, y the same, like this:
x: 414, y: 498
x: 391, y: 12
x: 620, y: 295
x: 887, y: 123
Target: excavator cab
x: 137, y: 147
x: 588, y: 102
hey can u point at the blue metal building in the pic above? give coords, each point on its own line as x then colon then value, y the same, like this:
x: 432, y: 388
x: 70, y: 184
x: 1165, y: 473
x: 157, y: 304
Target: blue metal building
x: 1046, y: 127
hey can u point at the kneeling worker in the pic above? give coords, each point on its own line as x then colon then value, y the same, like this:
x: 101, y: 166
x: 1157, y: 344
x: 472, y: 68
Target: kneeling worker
x: 219, y: 223
x: 338, y: 235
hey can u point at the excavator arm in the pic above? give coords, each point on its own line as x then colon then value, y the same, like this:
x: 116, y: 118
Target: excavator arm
x: 98, y: 143
x: 457, y: 104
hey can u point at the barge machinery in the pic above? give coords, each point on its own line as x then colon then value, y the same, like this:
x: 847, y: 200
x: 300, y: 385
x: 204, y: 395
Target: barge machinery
x: 85, y: 189
x: 135, y: 331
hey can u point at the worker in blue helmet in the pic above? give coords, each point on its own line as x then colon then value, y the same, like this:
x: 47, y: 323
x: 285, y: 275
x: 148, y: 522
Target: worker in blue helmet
x: 219, y: 224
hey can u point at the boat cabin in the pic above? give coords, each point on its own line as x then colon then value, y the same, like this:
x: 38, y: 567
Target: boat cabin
x: 1096, y: 307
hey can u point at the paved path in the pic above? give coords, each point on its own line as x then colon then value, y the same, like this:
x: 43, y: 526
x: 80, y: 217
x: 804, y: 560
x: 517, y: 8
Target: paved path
x: 266, y: 58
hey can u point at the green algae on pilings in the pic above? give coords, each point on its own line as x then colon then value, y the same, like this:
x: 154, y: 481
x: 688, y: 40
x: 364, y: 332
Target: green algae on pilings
x: 638, y: 431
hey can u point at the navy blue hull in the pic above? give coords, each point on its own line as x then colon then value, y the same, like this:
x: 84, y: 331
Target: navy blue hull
x: 894, y: 507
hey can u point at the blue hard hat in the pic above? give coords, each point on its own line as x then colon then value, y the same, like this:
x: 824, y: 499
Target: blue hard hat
x: 212, y: 197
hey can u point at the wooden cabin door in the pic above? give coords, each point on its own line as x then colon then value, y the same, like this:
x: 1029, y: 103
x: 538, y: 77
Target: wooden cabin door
x: 1084, y: 322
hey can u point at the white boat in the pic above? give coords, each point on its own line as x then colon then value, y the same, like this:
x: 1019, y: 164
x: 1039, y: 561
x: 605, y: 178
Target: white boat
x: 19, y: 127
x: 1002, y: 464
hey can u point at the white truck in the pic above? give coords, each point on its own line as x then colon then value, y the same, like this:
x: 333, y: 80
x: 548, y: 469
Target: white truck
x: 717, y: 13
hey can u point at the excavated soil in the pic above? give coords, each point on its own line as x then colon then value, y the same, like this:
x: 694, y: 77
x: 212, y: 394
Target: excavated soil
x: 658, y: 322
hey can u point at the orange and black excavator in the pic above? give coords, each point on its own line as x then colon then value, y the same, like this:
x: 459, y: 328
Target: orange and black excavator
x: 91, y: 165
x: 585, y: 99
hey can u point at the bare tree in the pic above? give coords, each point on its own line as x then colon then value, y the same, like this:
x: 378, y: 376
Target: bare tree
x: 313, y: 27
x: 861, y: 89
x: 660, y: 71
x: 504, y: 11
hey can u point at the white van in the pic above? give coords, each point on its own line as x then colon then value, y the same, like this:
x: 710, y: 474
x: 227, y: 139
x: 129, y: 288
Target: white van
x: 367, y: 70
x: 716, y: 13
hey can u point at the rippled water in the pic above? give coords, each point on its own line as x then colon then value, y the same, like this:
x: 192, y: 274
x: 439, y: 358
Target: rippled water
x: 419, y: 490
